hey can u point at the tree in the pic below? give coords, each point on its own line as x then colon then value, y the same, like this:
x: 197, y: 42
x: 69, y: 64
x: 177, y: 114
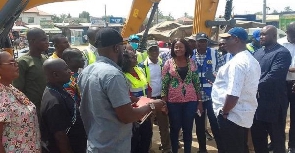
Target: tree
x: 56, y: 19
x: 69, y: 16
x: 185, y: 14
x: 63, y: 17
x: 287, y: 9
x: 275, y: 12
x: 85, y: 14
x: 258, y: 13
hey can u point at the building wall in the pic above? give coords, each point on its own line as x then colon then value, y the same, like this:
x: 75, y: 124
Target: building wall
x: 33, y: 18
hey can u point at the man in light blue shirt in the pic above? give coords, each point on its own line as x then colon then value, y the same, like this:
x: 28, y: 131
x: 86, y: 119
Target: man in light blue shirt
x: 106, y: 108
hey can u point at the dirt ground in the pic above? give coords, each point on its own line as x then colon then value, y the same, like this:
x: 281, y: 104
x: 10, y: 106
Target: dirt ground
x: 211, y: 145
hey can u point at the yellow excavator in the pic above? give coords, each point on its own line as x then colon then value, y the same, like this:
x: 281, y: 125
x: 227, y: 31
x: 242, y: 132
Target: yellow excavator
x: 205, y: 11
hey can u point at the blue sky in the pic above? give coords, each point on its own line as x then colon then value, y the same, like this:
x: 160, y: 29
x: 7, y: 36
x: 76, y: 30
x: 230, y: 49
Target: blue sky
x: 177, y: 8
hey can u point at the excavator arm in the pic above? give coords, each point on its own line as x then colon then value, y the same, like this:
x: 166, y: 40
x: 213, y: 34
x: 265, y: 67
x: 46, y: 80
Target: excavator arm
x: 137, y: 15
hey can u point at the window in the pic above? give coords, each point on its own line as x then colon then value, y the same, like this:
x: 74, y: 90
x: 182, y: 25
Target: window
x: 43, y: 19
x: 30, y: 19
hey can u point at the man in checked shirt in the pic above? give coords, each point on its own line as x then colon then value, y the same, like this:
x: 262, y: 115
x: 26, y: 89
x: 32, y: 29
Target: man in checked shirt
x: 208, y: 61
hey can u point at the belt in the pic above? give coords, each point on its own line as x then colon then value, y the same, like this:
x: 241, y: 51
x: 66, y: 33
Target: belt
x: 157, y: 97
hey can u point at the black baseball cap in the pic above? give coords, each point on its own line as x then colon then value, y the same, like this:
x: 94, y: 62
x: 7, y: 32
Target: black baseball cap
x: 202, y: 36
x: 107, y: 37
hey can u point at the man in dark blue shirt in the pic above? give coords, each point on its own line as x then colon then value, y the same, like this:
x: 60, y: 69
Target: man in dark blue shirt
x: 270, y: 117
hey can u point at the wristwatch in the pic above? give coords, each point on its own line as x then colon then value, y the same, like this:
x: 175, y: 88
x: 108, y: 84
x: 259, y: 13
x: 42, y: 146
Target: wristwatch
x: 223, y: 114
x: 152, y: 106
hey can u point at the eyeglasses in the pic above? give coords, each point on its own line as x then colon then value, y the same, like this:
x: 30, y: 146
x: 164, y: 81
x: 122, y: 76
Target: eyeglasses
x: 10, y: 63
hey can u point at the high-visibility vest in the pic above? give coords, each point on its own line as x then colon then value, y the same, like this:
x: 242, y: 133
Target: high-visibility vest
x: 250, y: 48
x: 91, y: 57
x: 145, y: 67
x: 209, y: 64
x: 141, y: 56
x: 138, y: 87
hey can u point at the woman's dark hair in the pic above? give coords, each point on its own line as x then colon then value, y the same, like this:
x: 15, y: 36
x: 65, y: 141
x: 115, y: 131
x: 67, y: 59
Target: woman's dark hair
x: 188, y: 51
x: 126, y: 64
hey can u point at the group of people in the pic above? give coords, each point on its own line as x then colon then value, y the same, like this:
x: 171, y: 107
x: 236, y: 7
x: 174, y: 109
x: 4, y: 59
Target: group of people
x: 87, y: 101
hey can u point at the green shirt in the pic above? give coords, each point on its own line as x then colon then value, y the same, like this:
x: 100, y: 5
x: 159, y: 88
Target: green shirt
x: 31, y: 80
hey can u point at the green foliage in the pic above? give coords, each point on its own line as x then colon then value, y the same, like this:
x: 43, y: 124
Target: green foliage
x: 86, y: 15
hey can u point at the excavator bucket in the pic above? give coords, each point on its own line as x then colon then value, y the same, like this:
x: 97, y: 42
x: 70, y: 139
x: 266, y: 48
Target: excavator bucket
x: 204, y: 10
x: 137, y: 15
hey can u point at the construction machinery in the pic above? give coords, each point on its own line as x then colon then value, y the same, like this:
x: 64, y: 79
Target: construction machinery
x: 205, y: 11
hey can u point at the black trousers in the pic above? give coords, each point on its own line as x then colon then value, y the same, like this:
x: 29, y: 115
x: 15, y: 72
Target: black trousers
x: 291, y: 99
x: 141, y: 137
x: 234, y: 137
x: 260, y: 131
x: 200, y: 126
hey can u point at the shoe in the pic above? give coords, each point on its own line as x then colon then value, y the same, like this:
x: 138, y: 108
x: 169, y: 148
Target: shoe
x: 270, y: 147
x: 291, y: 150
x: 209, y: 136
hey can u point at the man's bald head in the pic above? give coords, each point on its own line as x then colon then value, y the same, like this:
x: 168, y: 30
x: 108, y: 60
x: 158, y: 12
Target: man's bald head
x: 291, y: 32
x: 268, y: 36
x: 56, y: 71
x: 91, y: 34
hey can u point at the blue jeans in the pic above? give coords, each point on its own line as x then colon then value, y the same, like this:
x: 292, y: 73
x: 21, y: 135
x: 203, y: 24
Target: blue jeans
x: 181, y: 115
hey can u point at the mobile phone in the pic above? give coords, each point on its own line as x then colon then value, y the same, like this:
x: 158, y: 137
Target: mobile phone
x: 210, y: 76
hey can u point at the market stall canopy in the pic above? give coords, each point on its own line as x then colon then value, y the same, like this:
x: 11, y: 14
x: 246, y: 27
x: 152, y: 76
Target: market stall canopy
x: 168, y: 30
x: 19, y: 28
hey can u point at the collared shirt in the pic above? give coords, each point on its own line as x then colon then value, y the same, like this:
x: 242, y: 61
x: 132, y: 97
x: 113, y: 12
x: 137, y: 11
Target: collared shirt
x: 92, y: 49
x: 200, y: 60
x: 156, y: 79
x: 239, y: 77
x: 165, y: 55
x: 60, y: 113
x: 103, y: 88
x: 31, y: 80
x: 291, y: 47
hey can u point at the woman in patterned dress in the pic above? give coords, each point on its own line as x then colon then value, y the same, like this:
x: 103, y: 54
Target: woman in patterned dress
x: 181, y: 90
x: 18, y: 118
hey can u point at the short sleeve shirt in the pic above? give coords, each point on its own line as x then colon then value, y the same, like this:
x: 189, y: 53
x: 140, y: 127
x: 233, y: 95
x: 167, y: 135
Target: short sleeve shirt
x: 31, y: 80
x: 103, y: 88
x: 58, y: 114
x: 239, y: 77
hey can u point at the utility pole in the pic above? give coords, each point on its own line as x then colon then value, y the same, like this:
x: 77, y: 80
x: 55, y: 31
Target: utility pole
x: 264, y: 12
x: 105, y: 15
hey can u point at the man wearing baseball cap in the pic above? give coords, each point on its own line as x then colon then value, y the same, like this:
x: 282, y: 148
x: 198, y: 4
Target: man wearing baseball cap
x: 234, y: 92
x: 152, y: 67
x: 255, y: 44
x: 208, y: 61
x: 106, y: 108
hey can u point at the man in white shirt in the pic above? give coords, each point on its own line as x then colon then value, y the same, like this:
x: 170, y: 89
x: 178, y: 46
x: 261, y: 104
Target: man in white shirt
x: 234, y: 92
x: 152, y: 67
x: 289, y: 43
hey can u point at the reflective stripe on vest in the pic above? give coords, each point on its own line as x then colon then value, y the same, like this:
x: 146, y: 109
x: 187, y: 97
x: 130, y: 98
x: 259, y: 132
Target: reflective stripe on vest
x: 147, y: 69
x: 250, y: 48
x: 209, y: 64
x: 137, y: 87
